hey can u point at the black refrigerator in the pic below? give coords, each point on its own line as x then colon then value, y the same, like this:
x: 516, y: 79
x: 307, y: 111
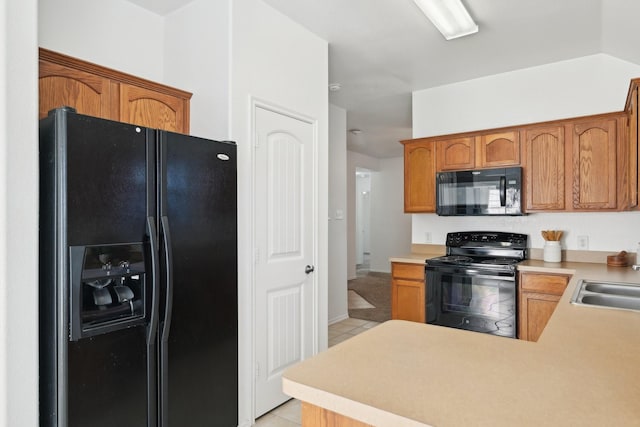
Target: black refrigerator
x: 138, y: 276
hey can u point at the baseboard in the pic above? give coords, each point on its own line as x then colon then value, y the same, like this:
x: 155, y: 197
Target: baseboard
x: 339, y: 318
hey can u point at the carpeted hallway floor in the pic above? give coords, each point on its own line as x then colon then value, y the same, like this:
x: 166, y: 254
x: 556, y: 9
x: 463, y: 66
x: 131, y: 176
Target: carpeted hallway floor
x: 375, y: 288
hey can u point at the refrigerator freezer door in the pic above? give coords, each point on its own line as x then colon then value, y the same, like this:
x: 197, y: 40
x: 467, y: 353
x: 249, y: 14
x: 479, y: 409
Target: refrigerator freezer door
x: 197, y: 184
x: 94, y: 179
x: 106, y: 181
x: 107, y: 204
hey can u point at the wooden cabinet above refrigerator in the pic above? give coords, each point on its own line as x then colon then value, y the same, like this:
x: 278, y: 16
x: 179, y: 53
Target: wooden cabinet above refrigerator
x: 102, y: 92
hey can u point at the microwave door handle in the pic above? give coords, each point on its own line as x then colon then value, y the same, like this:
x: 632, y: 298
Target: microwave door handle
x: 503, y: 190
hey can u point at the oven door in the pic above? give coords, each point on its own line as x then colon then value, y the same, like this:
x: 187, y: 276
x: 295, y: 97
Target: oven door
x: 475, y: 300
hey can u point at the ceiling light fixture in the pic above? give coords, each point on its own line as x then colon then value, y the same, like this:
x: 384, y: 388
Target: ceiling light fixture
x: 334, y: 87
x: 355, y: 131
x: 449, y: 16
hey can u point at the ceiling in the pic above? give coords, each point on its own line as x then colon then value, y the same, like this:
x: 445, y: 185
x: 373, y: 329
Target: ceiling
x: 382, y: 50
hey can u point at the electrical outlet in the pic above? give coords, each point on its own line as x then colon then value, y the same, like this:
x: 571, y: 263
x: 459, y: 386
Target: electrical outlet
x: 583, y: 243
x: 427, y: 237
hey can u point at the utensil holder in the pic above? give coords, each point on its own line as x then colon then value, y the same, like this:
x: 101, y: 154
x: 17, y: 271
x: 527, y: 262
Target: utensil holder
x: 552, y: 251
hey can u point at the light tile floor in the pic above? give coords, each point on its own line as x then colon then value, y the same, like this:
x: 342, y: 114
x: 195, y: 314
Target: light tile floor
x: 289, y: 413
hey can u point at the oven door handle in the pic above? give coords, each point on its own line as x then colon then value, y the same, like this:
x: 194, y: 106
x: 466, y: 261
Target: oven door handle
x: 483, y: 275
x: 470, y: 272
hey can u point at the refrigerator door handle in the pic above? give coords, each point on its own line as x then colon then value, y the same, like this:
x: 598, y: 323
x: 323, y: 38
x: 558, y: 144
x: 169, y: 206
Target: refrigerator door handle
x: 153, y: 318
x: 168, y: 259
x: 166, y: 324
x: 152, y: 408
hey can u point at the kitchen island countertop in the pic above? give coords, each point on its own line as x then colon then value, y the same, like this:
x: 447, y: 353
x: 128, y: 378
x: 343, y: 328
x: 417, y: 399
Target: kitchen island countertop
x: 583, y: 371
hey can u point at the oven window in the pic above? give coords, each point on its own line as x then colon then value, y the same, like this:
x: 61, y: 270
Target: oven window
x: 476, y: 295
x: 477, y: 303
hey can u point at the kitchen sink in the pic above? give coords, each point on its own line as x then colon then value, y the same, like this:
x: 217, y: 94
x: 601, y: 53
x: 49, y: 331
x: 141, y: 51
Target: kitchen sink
x: 615, y: 295
x: 623, y: 289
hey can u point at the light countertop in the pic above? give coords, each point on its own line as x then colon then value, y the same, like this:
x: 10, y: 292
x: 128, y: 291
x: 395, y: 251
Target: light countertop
x: 583, y: 371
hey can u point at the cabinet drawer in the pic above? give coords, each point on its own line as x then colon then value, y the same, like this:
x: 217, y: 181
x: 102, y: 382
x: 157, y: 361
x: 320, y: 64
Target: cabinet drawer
x: 544, y: 283
x: 407, y: 271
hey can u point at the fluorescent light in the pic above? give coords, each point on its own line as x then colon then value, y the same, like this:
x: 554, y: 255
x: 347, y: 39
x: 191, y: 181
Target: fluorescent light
x: 449, y: 16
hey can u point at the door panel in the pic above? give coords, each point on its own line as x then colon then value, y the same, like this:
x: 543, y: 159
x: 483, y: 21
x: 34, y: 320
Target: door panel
x: 59, y: 86
x: 106, y: 188
x: 152, y: 109
x: 199, y: 199
x: 106, y: 181
x: 594, y: 165
x: 544, y: 168
x: 284, y: 242
x: 107, y: 380
x: 420, y: 177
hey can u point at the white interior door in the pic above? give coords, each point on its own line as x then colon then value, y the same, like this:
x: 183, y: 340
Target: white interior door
x: 284, y: 242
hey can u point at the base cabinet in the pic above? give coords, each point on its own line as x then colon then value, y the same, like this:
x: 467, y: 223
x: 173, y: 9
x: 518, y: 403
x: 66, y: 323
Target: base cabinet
x: 315, y: 416
x: 538, y: 297
x: 408, y: 292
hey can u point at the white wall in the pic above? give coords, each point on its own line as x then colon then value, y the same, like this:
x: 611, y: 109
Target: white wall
x: 363, y: 213
x: 390, y: 226
x: 354, y: 161
x: 588, y: 85
x: 188, y: 49
x: 277, y: 61
x: 18, y: 214
x: 116, y: 34
x: 337, y: 281
x: 199, y: 48
x: 197, y: 52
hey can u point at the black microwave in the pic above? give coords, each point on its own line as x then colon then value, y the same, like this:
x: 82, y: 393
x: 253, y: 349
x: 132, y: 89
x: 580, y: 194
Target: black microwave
x: 479, y: 192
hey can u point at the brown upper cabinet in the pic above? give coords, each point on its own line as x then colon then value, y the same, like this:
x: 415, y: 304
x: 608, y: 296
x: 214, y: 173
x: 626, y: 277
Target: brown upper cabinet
x: 499, y: 149
x: 479, y: 151
x: 634, y: 153
x: 544, y: 168
x: 420, y: 176
x: 576, y: 165
x: 595, y: 161
x: 456, y: 153
x: 102, y: 92
x: 582, y: 164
